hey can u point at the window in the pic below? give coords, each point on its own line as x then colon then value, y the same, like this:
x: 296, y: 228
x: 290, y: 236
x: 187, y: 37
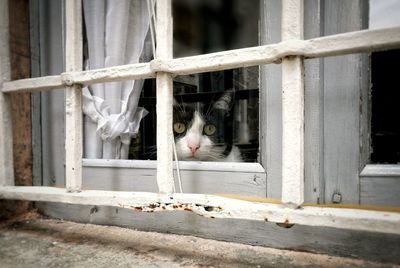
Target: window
x: 245, y: 178
x: 292, y: 51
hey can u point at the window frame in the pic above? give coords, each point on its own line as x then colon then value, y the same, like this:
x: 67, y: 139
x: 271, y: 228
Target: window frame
x: 292, y: 51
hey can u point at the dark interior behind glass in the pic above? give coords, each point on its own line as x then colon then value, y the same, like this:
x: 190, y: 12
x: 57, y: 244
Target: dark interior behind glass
x: 203, y: 27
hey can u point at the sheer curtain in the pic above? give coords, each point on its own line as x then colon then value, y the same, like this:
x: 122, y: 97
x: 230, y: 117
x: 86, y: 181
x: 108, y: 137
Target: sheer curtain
x: 116, y: 34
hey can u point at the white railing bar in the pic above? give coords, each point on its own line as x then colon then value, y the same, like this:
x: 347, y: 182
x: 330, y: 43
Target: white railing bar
x: 6, y: 139
x: 43, y: 83
x: 73, y: 99
x: 164, y: 94
x: 215, y: 207
x: 334, y: 45
x: 116, y: 73
x: 292, y: 107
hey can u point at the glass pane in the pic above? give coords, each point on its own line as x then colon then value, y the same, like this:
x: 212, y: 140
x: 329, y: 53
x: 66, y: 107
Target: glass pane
x: 384, y: 14
x: 385, y: 132
x: 224, y: 105
x: 209, y: 26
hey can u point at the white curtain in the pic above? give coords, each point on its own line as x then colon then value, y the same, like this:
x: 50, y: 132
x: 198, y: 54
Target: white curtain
x: 116, y: 34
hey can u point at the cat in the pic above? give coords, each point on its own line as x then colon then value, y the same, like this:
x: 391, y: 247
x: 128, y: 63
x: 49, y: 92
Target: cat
x: 203, y: 132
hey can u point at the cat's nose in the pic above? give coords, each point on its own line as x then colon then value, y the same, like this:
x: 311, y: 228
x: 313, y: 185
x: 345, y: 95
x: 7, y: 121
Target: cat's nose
x: 193, y: 148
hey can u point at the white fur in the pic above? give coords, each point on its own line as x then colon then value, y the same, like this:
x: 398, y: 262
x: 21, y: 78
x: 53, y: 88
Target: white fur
x: 206, y: 150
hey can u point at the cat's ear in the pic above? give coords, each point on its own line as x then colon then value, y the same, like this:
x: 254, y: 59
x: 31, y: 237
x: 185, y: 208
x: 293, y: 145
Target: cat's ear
x: 225, y: 102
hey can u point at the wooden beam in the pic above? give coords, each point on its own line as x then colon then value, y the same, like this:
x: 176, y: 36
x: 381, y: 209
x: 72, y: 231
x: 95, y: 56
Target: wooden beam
x: 292, y: 107
x: 6, y: 144
x: 73, y: 99
x: 20, y: 63
x: 215, y: 207
x: 184, y: 165
x: 165, y: 179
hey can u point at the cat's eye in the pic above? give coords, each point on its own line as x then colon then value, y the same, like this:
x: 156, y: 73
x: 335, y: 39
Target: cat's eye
x: 179, y: 128
x: 209, y: 129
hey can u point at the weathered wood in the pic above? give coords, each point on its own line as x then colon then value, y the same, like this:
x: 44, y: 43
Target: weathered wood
x: 35, y: 44
x: 215, y: 207
x: 271, y: 97
x: 6, y: 144
x: 165, y: 179
x: 379, y: 185
x: 21, y: 102
x: 142, y: 178
x: 184, y: 165
x: 342, y: 91
x: 292, y: 107
x: 73, y: 99
x: 365, y: 94
x: 380, y: 190
x: 313, y: 104
x: 333, y: 45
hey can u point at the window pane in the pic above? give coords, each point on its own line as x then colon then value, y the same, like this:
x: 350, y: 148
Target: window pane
x: 385, y: 132
x: 224, y: 105
x: 384, y: 14
x: 385, y: 108
x: 209, y: 26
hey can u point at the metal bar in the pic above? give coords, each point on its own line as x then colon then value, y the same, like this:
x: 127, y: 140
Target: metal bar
x: 73, y: 101
x: 292, y: 107
x: 6, y: 139
x: 165, y: 179
x: 34, y: 84
x: 116, y: 73
x: 334, y: 45
x: 216, y: 207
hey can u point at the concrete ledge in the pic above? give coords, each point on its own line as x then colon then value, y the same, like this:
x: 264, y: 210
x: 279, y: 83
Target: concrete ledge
x: 55, y: 243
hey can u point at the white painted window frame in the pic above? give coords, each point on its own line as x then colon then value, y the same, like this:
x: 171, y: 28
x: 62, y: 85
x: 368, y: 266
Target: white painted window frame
x: 292, y: 51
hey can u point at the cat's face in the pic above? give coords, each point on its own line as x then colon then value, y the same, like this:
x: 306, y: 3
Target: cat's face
x: 197, y: 130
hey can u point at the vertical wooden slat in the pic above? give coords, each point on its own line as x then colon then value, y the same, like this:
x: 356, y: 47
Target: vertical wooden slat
x: 344, y: 105
x: 165, y: 179
x: 313, y: 108
x: 271, y: 97
x: 6, y: 142
x: 20, y: 62
x: 292, y: 108
x: 73, y: 102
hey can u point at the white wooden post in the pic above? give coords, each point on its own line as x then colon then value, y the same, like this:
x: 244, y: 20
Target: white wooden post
x: 6, y: 142
x: 73, y: 102
x: 292, y: 107
x: 165, y: 136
